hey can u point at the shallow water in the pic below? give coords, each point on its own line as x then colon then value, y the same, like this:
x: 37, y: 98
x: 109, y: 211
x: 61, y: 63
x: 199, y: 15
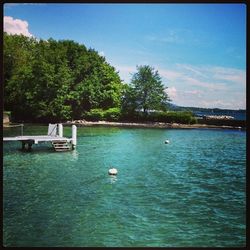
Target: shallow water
x: 188, y: 193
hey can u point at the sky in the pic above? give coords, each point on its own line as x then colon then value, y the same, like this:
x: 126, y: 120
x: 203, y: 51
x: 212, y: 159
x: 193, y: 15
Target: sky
x: 199, y: 50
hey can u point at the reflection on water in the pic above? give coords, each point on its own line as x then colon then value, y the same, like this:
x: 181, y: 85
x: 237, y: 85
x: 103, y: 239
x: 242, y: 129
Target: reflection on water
x: 112, y: 179
x: 75, y: 155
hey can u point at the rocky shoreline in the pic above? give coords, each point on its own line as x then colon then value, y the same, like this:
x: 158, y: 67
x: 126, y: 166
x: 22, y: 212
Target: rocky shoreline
x: 147, y: 125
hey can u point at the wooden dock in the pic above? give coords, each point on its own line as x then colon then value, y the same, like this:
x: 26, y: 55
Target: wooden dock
x: 59, y: 142
x: 36, y: 139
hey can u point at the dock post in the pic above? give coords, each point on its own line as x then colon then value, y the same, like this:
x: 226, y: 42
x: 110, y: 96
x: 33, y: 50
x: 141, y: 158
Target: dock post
x: 74, y: 134
x: 60, y: 130
x: 29, y: 145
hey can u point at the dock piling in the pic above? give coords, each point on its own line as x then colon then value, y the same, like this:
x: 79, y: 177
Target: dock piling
x: 27, y: 145
x: 60, y: 130
x: 74, y: 134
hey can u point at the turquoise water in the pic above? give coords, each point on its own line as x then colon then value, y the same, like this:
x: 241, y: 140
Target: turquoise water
x: 189, y: 193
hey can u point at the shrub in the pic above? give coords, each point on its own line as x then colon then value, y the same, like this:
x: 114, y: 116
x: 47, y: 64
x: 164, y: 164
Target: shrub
x: 112, y: 114
x: 94, y: 115
x: 173, y: 117
x: 193, y: 120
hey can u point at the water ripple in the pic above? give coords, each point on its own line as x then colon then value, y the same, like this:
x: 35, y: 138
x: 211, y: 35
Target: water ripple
x: 189, y: 193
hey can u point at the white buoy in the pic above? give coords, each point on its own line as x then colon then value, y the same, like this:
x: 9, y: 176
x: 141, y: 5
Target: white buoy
x: 113, y: 171
x: 167, y: 142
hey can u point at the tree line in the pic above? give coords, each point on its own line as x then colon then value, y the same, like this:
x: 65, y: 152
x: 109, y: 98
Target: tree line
x: 54, y: 81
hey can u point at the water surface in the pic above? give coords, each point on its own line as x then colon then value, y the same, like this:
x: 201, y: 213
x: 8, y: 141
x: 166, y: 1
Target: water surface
x: 189, y: 193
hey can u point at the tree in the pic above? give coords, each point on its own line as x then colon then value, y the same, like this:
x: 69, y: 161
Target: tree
x: 148, y: 90
x: 49, y: 80
x: 128, y: 102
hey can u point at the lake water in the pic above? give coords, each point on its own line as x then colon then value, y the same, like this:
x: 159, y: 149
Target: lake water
x: 188, y: 193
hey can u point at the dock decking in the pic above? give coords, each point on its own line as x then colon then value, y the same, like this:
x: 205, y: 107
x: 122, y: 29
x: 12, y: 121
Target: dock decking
x: 37, y: 138
x: 54, y: 136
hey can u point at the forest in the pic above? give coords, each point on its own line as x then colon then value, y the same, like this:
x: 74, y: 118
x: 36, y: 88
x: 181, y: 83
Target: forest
x: 56, y: 81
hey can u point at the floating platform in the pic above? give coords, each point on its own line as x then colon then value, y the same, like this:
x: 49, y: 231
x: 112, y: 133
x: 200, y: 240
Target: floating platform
x: 36, y: 139
x: 59, y: 142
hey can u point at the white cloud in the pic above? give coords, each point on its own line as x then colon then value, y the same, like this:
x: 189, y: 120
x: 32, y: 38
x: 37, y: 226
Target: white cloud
x: 172, y: 92
x: 207, y: 86
x: 170, y: 75
x: 229, y: 74
x: 194, y: 92
x: 16, y: 26
x: 207, y: 77
x: 210, y: 86
x: 125, y: 72
x: 215, y: 74
x: 219, y: 103
x: 199, y: 86
x: 192, y: 69
x: 171, y: 36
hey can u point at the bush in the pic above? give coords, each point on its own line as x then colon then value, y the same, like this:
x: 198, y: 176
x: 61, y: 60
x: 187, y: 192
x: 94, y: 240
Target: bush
x: 112, y: 114
x: 193, y: 120
x: 94, y: 115
x: 173, y: 117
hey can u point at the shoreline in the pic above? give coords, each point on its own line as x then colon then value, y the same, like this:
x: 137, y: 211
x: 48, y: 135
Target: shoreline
x: 163, y: 125
x: 157, y: 125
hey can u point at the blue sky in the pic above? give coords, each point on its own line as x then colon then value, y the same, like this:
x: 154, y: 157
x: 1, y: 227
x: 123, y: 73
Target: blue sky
x: 199, y: 50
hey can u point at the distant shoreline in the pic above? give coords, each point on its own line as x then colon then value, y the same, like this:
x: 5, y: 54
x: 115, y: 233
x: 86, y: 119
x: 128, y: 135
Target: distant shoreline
x: 159, y: 125
x: 83, y: 123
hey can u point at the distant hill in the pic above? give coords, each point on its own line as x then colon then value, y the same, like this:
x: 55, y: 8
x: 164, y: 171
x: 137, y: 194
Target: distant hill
x: 239, y: 114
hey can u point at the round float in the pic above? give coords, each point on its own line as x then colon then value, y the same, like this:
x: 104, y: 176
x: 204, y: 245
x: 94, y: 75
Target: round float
x: 113, y: 171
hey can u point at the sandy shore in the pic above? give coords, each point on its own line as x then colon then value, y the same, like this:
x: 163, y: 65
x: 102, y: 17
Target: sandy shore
x: 147, y: 125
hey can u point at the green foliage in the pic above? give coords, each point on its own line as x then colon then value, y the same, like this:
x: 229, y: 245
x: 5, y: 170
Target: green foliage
x: 94, y: 115
x: 147, y: 91
x: 182, y: 117
x: 56, y: 80
x: 128, y: 103
x: 112, y: 114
